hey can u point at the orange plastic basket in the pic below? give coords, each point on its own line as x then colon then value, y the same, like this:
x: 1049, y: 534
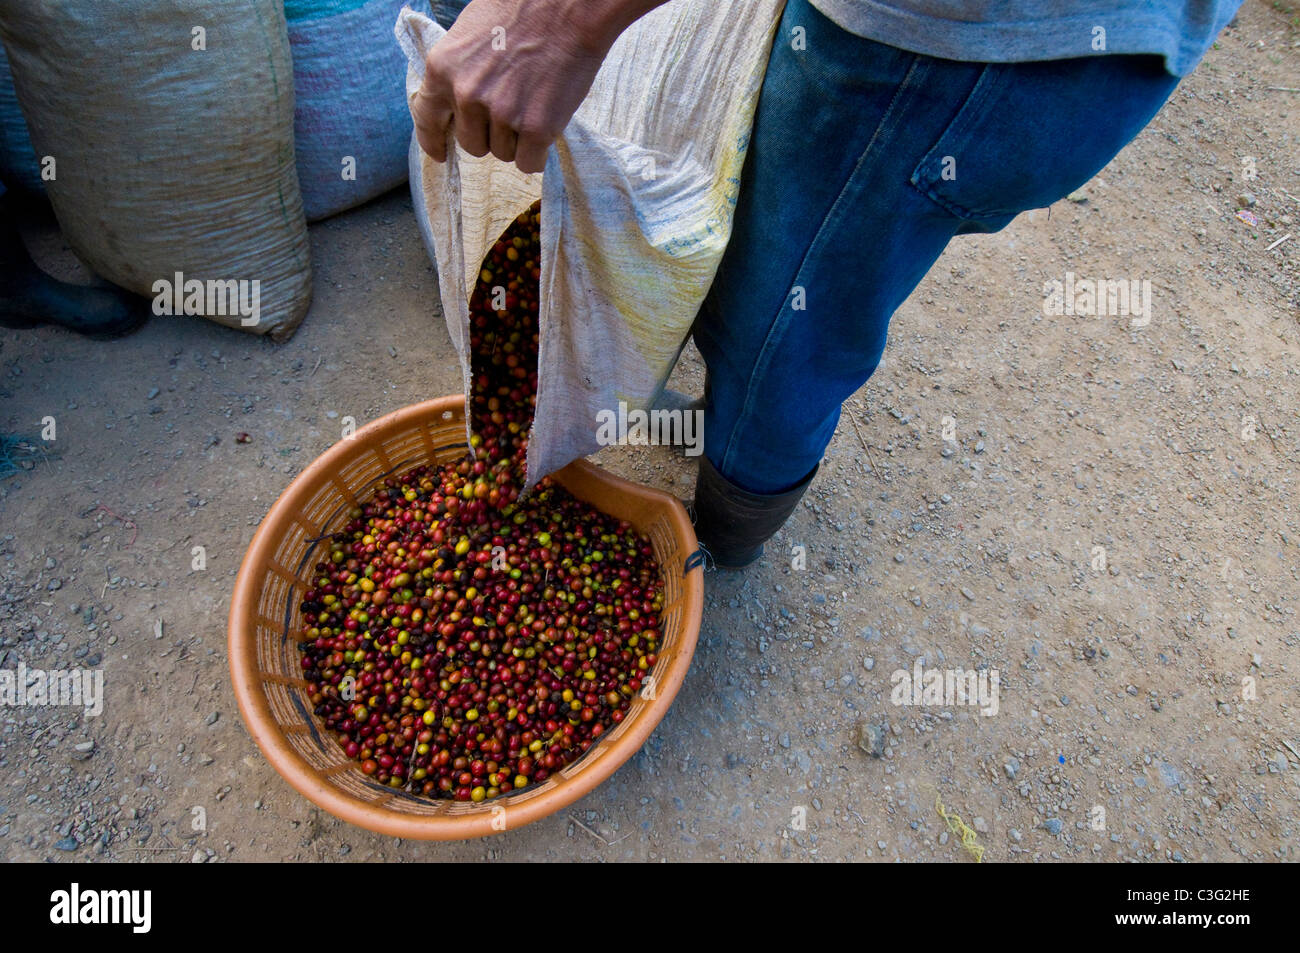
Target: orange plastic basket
x: 265, y: 623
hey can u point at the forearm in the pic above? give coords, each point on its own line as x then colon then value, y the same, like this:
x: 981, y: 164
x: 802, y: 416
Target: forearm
x: 603, y: 21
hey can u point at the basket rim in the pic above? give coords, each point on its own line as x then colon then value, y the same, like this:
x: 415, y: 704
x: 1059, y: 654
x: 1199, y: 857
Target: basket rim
x: 481, y: 820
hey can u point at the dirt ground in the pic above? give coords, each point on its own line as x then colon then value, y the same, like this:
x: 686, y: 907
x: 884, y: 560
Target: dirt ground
x: 1126, y: 672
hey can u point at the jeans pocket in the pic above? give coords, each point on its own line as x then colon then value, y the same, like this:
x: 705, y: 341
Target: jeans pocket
x: 1029, y: 133
x: 955, y: 173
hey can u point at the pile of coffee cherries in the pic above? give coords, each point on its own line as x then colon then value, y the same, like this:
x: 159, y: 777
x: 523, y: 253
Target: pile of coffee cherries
x: 464, y: 640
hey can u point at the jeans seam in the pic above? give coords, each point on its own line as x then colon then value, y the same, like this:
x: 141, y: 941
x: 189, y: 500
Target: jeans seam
x: 782, y: 319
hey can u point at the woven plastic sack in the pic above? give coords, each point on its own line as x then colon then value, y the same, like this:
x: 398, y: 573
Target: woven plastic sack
x: 637, y: 202
x: 351, y: 123
x: 19, y: 168
x: 171, y: 124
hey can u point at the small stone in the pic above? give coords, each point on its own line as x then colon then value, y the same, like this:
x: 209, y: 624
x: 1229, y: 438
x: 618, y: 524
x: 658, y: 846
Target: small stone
x: 153, y: 392
x: 1246, y: 200
x: 871, y: 739
x: 199, y: 857
x: 55, y: 584
x: 212, y: 718
x: 868, y: 663
x: 50, y: 562
x: 899, y: 557
x: 1052, y: 825
x: 945, y: 451
x: 785, y: 740
x: 1011, y: 767
x: 84, y: 746
x: 66, y: 844
x: 968, y: 594
x: 979, y: 446
x: 981, y: 826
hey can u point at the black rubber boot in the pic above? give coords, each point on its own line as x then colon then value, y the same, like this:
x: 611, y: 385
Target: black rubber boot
x: 29, y: 297
x: 733, y: 524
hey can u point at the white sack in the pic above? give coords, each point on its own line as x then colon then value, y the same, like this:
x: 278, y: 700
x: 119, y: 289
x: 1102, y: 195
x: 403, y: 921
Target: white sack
x: 637, y: 202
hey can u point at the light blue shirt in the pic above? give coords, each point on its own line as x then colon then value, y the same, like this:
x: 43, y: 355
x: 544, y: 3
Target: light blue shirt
x: 1015, y: 31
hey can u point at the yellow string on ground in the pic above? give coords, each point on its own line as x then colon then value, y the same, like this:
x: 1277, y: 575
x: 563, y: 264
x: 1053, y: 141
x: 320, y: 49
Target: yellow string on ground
x: 959, y: 827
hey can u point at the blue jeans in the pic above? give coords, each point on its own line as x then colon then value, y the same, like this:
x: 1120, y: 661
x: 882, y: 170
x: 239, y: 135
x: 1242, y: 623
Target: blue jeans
x: 865, y: 161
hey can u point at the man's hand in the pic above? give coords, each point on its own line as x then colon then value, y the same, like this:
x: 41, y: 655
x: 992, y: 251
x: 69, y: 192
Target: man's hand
x: 510, y: 74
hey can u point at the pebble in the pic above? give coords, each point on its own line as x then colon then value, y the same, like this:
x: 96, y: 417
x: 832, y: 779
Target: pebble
x: 153, y: 392
x: 50, y: 562
x: 785, y: 740
x: 1011, y: 767
x: 1246, y: 199
x: 199, y: 857
x: 66, y: 844
x: 968, y: 594
x: 868, y: 663
x: 980, y: 825
x: 212, y: 718
x: 1052, y: 825
x: 871, y: 739
x: 899, y: 557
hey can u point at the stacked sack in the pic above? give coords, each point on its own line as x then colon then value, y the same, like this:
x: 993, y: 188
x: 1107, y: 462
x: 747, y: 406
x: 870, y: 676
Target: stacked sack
x: 169, y: 126
x: 19, y: 168
x: 352, y: 125
x: 186, y: 143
